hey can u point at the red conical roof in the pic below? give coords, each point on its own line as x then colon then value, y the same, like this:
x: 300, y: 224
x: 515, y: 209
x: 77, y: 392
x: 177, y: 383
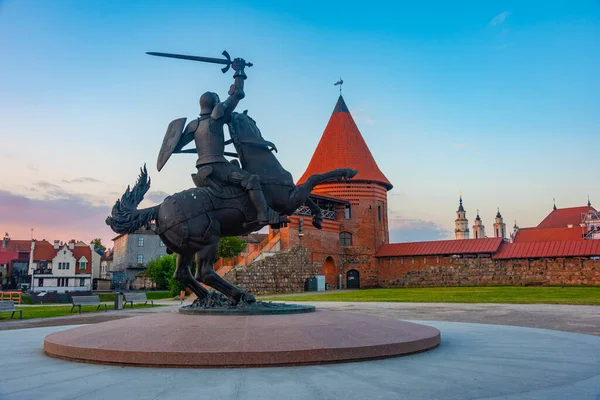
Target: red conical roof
x: 342, y: 146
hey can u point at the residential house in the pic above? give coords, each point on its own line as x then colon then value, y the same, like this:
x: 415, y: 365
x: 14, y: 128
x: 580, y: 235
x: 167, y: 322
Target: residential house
x: 64, y: 267
x: 131, y: 254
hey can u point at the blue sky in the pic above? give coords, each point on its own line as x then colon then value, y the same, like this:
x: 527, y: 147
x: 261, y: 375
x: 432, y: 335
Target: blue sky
x: 498, y: 100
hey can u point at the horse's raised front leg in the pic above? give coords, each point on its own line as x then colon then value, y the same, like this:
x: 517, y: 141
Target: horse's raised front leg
x: 205, y: 273
x: 300, y: 194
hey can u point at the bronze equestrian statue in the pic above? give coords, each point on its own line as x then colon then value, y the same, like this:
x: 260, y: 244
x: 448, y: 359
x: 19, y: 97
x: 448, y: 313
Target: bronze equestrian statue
x: 228, y: 200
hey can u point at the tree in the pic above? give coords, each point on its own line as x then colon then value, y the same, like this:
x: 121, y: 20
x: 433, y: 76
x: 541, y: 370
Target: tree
x: 230, y: 247
x: 161, y: 270
x: 98, y: 245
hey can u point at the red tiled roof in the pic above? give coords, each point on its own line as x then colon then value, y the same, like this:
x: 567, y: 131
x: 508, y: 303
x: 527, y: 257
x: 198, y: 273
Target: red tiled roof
x: 23, y: 246
x: 562, y: 217
x: 342, y: 146
x: 44, y: 250
x: 440, y: 247
x: 549, y: 234
x: 83, y: 251
x: 572, y: 248
x: 8, y: 256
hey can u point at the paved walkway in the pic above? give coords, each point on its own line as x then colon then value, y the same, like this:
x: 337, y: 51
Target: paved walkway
x: 579, y: 319
x: 90, y: 317
x: 474, y: 361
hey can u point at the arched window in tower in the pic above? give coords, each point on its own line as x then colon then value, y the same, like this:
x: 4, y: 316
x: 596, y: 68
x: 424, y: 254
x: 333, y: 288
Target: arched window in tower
x: 345, y: 239
x: 379, y: 213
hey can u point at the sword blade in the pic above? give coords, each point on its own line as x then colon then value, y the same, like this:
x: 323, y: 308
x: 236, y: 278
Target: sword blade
x: 192, y: 58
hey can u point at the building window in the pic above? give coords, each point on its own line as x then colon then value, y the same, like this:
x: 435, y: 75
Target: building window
x: 67, y: 280
x: 162, y: 244
x: 347, y: 212
x: 345, y: 239
x: 81, y: 281
x: 67, y: 265
x: 140, y: 258
x: 379, y: 213
x: 40, y: 282
x: 82, y: 265
x: 140, y: 241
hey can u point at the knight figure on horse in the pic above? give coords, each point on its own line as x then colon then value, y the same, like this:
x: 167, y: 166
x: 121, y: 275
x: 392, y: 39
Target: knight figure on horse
x: 231, y: 198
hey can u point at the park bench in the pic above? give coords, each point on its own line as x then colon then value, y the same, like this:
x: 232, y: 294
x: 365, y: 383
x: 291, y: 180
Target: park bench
x: 79, y: 301
x: 9, y: 306
x: 137, y: 298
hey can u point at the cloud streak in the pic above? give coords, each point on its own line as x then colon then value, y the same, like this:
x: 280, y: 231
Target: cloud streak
x: 83, y: 179
x: 416, y: 230
x: 499, y: 19
x: 70, y: 217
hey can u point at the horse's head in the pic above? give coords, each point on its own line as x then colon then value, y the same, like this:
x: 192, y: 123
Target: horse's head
x: 245, y: 132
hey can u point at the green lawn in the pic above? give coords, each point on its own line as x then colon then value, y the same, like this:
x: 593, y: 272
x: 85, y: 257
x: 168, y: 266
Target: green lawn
x: 479, y: 294
x: 49, y: 311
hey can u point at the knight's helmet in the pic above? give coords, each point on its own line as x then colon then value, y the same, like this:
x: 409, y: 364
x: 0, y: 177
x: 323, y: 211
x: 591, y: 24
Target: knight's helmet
x: 208, y: 101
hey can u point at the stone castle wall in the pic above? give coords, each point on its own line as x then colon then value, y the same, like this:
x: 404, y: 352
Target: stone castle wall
x: 285, y: 272
x: 447, y: 271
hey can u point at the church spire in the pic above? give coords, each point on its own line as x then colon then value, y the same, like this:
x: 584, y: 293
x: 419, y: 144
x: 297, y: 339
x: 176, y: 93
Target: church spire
x: 500, y: 226
x: 460, y: 205
x: 461, y: 224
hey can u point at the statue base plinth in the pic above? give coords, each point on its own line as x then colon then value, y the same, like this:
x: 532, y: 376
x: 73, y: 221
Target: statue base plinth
x: 180, y: 340
x: 258, y: 308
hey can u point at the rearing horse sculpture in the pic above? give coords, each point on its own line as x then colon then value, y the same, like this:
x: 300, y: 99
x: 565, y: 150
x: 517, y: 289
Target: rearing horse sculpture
x: 191, y: 222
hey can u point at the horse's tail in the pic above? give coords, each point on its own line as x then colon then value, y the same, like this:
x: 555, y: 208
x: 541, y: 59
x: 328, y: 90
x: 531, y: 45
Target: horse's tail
x: 125, y: 217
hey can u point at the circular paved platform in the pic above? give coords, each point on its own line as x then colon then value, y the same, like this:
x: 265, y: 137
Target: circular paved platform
x: 175, y: 340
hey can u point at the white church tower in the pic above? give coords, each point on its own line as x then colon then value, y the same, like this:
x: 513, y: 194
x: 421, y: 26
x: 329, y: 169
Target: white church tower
x: 461, y: 223
x: 478, y: 228
x: 499, y: 226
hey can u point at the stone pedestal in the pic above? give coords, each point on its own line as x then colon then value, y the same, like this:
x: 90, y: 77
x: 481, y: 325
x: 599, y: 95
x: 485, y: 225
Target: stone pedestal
x: 179, y: 340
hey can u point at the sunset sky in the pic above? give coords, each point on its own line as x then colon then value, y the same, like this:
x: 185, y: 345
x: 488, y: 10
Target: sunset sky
x: 499, y: 100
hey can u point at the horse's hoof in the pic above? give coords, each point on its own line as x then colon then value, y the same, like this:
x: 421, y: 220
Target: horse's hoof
x: 317, y: 223
x: 247, y: 298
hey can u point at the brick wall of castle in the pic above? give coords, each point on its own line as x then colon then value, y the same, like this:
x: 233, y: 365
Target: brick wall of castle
x: 447, y: 271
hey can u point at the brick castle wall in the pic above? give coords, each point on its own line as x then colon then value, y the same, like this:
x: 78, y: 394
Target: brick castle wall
x: 447, y: 271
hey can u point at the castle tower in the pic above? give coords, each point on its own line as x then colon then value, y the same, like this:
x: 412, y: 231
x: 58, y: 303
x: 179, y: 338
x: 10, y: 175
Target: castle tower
x: 499, y: 226
x: 478, y: 228
x: 342, y: 146
x: 461, y: 224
